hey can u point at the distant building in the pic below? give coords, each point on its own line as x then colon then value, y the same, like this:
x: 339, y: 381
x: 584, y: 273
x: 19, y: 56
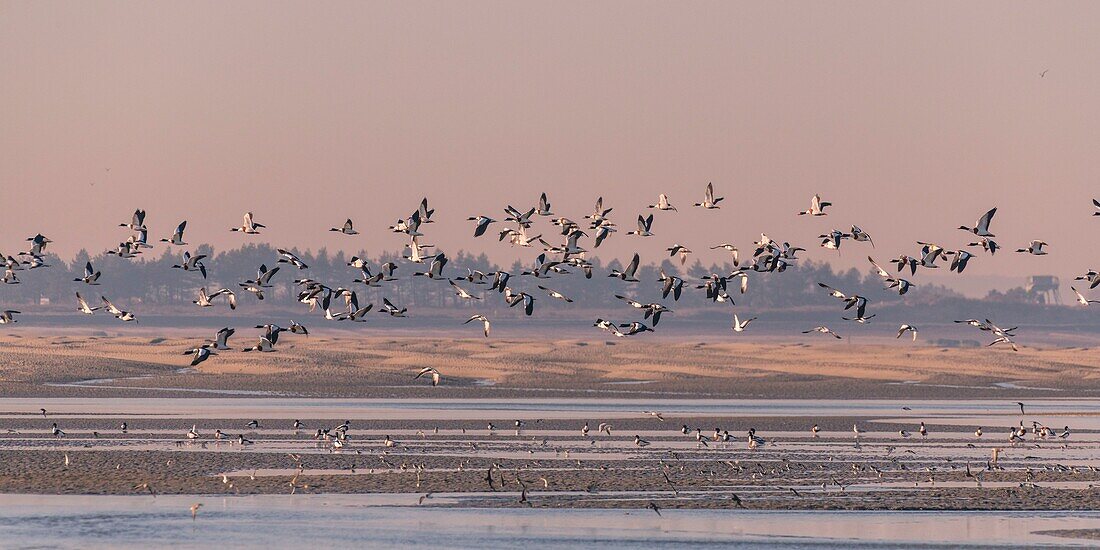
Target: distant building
x: 1043, y: 289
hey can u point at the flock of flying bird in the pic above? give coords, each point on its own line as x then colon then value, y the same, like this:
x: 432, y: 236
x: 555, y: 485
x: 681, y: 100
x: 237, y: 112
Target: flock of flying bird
x: 768, y: 256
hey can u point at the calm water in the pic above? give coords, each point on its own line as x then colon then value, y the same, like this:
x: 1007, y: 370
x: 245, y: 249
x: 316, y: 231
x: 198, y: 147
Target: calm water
x: 395, y: 521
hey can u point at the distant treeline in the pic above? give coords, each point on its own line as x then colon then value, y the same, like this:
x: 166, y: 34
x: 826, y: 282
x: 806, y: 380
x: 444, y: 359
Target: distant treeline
x: 150, y: 280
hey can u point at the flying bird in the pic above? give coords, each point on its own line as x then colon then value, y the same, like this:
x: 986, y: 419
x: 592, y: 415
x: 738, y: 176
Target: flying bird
x: 1035, y: 248
x: 137, y: 222
x: 709, y: 200
x: 823, y: 330
x: 738, y: 325
x: 483, y: 319
x: 249, y: 227
x: 90, y: 275
x: 429, y: 371
x: 83, y: 306
x: 645, y: 226
x: 177, y: 236
x: 662, y: 203
x: 347, y: 229
x: 817, y: 207
x: 907, y: 328
x: 981, y: 227
x: 481, y: 225
x: 201, y: 353
x: 1081, y: 299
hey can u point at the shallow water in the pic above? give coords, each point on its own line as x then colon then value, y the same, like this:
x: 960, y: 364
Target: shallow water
x: 447, y: 520
x: 396, y: 521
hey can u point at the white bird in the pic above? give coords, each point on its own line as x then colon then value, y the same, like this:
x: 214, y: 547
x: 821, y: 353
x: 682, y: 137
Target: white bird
x: 288, y: 257
x: 90, y: 275
x: 192, y: 263
x: 1035, y: 248
x: 124, y: 250
x: 201, y: 353
x: 429, y: 371
x: 645, y: 225
x: 38, y: 244
x: 177, y: 236
x: 981, y: 227
x: 481, y: 225
x: 298, y: 328
x: 249, y: 227
x: 1081, y: 299
x: 462, y: 293
x: 515, y: 298
x: 435, y: 268
x: 728, y: 248
x: 817, y: 207
x: 628, y: 273
x: 483, y: 319
x: 908, y: 328
x: 959, y: 261
x: 833, y: 239
x: 264, y: 345
x: 680, y: 249
x: 858, y: 234
x: 662, y: 203
x: 634, y: 328
x: 388, y: 307
x: 929, y: 254
x: 544, y: 206
x: 359, y: 315
x: 521, y: 218
x: 555, y: 294
x: 83, y: 306
x: 823, y: 330
x: 987, y: 244
x: 415, y: 250
x: 346, y: 229
x: 221, y: 339
x: 137, y: 223
x: 738, y: 325
x: 709, y: 200
x: 118, y: 313
x: 263, y: 277
x: 1092, y: 276
x: 203, y: 299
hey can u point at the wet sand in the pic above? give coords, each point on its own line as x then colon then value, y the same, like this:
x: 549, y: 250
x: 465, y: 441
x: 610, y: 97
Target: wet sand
x: 558, y: 467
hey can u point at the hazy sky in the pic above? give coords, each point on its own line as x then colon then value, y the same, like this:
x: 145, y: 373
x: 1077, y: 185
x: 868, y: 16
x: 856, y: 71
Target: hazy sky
x: 911, y: 118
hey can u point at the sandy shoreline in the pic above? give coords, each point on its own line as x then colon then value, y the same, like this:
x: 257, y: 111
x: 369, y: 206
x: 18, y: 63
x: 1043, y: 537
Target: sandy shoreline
x: 384, y: 367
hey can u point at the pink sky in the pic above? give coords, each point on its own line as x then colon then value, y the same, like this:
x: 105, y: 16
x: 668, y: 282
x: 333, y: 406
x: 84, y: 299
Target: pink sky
x: 912, y: 119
